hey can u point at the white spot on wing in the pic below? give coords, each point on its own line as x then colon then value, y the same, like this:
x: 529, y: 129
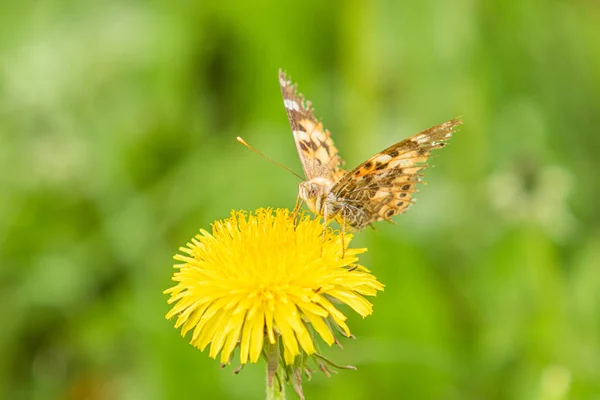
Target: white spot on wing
x: 282, y: 80
x: 301, y: 135
x: 291, y: 105
x: 400, y: 163
x: 420, y: 139
x: 382, y: 158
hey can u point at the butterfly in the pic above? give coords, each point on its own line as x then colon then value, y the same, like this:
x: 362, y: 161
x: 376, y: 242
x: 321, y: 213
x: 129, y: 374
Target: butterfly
x: 376, y: 190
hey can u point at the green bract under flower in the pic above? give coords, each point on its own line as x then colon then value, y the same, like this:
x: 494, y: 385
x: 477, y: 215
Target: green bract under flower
x: 258, y: 275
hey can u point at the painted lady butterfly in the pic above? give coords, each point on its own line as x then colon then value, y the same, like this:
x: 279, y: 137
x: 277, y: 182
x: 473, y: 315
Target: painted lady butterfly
x: 377, y: 189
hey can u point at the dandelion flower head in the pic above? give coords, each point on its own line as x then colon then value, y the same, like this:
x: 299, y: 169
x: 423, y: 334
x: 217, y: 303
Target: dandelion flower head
x: 261, y: 276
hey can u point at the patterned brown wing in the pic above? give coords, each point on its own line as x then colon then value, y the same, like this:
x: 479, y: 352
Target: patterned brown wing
x: 382, y: 186
x: 318, y: 154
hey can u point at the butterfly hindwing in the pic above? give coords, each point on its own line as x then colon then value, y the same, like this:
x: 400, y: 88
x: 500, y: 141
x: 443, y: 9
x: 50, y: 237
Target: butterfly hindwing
x: 382, y: 186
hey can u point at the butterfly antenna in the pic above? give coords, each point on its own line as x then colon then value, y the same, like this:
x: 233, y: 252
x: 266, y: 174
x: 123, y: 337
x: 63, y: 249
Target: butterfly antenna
x: 242, y: 141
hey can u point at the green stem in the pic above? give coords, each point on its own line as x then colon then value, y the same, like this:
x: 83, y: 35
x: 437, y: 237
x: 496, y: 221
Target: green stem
x: 276, y: 391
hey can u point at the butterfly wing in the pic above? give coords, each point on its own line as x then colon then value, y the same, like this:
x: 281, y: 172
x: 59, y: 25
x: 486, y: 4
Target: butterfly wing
x: 318, y: 154
x: 382, y: 186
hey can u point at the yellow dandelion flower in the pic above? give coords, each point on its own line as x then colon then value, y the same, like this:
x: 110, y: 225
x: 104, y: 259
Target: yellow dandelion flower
x: 258, y: 276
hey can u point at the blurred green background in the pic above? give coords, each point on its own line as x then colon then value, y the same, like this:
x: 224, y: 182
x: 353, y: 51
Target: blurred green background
x: 117, y: 143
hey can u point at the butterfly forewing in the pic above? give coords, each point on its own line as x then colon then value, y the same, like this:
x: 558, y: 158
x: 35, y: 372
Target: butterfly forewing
x: 318, y: 154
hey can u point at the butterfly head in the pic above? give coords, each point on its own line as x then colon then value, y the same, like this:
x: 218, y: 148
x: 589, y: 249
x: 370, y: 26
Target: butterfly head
x: 314, y: 192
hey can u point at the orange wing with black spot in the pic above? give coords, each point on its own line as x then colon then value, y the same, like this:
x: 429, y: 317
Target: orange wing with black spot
x: 318, y: 154
x: 382, y: 186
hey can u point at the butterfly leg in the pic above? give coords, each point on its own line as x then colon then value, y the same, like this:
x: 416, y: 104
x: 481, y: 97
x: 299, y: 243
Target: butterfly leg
x: 343, y: 235
x: 324, y: 228
x: 296, y: 210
